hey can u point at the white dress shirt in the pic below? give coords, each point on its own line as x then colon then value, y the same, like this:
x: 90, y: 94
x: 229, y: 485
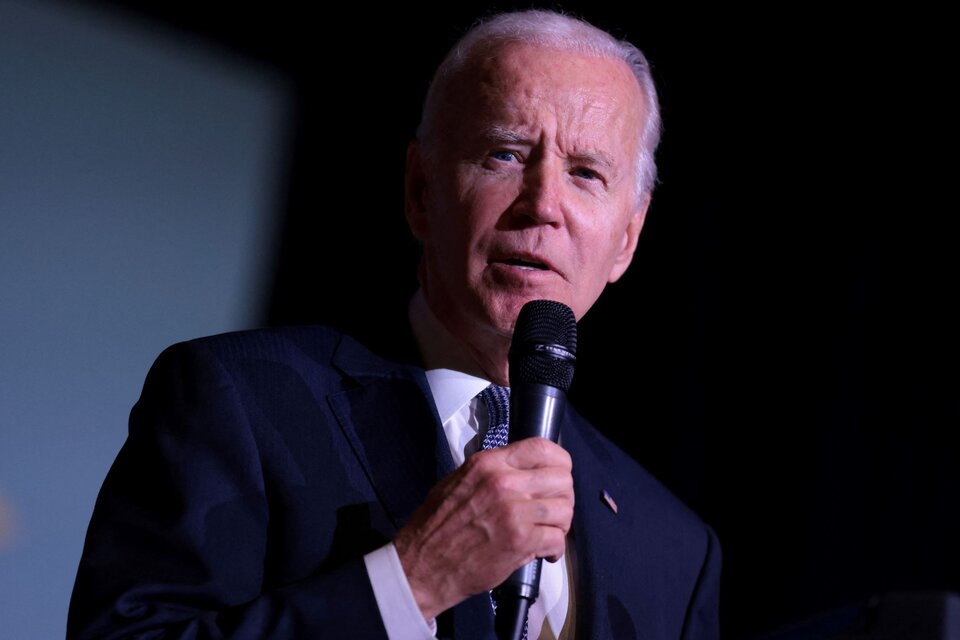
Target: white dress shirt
x: 464, y: 422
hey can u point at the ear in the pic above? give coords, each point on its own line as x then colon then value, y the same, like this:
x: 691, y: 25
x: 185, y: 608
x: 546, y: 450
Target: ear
x: 415, y: 192
x: 629, y: 242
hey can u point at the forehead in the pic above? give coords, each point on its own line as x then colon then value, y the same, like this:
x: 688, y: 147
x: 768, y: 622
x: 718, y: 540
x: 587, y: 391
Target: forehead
x: 530, y: 86
x: 518, y: 65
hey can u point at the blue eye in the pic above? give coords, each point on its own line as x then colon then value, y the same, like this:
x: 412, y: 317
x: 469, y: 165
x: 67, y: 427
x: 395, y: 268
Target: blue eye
x: 505, y: 156
x: 583, y: 172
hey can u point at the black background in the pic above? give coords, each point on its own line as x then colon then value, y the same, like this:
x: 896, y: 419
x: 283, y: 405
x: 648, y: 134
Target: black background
x: 782, y: 353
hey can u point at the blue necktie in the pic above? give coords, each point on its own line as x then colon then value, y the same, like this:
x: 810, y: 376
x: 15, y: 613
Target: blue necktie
x: 497, y: 401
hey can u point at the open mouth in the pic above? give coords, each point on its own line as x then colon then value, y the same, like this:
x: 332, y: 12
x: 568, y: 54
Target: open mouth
x: 526, y: 264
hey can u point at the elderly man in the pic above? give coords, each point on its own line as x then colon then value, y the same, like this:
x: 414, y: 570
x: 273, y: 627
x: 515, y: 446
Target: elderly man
x: 290, y: 483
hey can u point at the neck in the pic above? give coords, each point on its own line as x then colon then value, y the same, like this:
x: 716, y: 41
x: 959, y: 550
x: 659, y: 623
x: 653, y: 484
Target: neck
x: 442, y: 347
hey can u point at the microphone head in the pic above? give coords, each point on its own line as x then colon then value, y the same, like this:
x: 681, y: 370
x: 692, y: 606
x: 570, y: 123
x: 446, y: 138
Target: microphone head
x: 544, y: 345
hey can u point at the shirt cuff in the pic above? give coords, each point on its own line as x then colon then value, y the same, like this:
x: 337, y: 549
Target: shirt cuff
x: 398, y: 608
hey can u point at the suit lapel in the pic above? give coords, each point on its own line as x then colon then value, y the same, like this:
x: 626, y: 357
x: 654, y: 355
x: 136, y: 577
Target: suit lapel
x: 596, y: 530
x: 391, y: 421
x: 472, y: 619
x: 392, y: 424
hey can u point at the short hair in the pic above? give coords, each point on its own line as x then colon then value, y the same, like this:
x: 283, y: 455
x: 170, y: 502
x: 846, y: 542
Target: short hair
x: 555, y: 30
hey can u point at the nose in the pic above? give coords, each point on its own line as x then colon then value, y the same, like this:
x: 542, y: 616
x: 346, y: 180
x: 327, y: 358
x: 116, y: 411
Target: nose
x: 541, y: 198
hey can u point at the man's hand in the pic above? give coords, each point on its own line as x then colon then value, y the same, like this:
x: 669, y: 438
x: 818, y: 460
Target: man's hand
x: 500, y: 510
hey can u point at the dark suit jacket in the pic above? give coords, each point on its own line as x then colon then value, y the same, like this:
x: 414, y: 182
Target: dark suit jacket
x: 261, y: 466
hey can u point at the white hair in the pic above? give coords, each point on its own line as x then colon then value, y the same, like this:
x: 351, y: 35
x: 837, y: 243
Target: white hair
x: 554, y: 30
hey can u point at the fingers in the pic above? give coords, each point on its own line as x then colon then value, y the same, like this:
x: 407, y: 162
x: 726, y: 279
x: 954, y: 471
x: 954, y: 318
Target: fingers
x: 535, y: 453
x: 545, y: 491
x: 535, y: 468
x: 501, y: 509
x: 521, y: 518
x: 532, y: 484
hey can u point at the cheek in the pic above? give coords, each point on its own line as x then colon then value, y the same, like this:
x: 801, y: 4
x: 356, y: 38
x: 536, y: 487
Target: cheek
x: 448, y: 212
x: 598, y: 244
x: 479, y: 207
x: 488, y: 193
x: 458, y: 238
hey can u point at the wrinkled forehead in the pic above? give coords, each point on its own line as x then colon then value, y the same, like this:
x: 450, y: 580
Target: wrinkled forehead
x: 515, y: 83
x: 517, y: 65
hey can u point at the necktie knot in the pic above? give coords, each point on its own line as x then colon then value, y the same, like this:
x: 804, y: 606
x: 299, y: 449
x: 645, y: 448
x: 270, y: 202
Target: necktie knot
x: 496, y: 399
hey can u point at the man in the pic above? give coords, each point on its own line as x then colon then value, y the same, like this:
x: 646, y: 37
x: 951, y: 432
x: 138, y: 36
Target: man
x: 290, y: 483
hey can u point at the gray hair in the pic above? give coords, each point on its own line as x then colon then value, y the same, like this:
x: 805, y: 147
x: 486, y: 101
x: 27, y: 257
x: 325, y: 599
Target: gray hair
x: 555, y: 30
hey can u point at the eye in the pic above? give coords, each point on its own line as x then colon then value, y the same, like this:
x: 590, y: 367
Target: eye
x: 585, y: 173
x: 505, y: 155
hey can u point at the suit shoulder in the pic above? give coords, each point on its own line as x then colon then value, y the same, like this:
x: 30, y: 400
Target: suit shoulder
x: 237, y: 352
x: 324, y: 357
x: 317, y: 343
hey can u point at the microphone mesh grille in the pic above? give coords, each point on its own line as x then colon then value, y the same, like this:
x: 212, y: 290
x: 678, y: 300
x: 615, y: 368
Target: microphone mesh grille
x: 544, y: 322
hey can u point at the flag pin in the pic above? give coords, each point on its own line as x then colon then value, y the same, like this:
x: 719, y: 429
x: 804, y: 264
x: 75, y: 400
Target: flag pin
x: 608, y: 500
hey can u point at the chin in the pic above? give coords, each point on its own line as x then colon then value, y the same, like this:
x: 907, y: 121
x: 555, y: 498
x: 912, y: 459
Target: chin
x: 502, y: 311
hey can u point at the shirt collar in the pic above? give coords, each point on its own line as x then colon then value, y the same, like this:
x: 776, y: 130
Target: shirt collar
x: 452, y: 390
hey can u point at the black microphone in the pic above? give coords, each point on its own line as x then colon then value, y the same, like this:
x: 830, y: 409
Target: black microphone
x: 542, y: 356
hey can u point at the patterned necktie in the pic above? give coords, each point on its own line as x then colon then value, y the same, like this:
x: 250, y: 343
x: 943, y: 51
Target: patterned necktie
x: 497, y: 401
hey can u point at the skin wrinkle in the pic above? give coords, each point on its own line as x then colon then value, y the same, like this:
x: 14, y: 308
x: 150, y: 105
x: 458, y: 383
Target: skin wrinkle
x: 565, y: 197
x: 592, y: 110
x: 529, y: 194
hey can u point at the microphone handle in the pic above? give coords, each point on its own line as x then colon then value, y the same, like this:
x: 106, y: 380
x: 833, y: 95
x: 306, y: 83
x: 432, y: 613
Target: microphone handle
x: 535, y: 411
x: 511, y: 618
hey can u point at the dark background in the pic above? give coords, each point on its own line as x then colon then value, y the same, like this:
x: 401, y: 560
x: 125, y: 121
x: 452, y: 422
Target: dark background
x: 782, y: 353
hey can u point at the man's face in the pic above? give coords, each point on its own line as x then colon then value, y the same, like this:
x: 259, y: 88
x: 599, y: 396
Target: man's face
x: 532, y: 191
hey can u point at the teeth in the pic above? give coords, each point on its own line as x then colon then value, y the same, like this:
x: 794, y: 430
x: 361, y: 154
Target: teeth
x: 527, y: 266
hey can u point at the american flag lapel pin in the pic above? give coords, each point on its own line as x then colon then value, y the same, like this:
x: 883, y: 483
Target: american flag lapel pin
x: 608, y: 500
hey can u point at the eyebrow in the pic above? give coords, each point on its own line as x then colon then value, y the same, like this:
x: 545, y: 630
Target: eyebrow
x: 594, y: 158
x: 497, y: 133
x: 503, y: 135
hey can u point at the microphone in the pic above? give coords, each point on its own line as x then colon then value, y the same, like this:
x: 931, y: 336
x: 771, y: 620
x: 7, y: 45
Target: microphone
x: 542, y: 356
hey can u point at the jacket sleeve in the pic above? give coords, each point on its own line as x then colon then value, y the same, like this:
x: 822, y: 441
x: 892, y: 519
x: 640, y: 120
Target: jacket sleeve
x: 178, y: 541
x: 702, y: 620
